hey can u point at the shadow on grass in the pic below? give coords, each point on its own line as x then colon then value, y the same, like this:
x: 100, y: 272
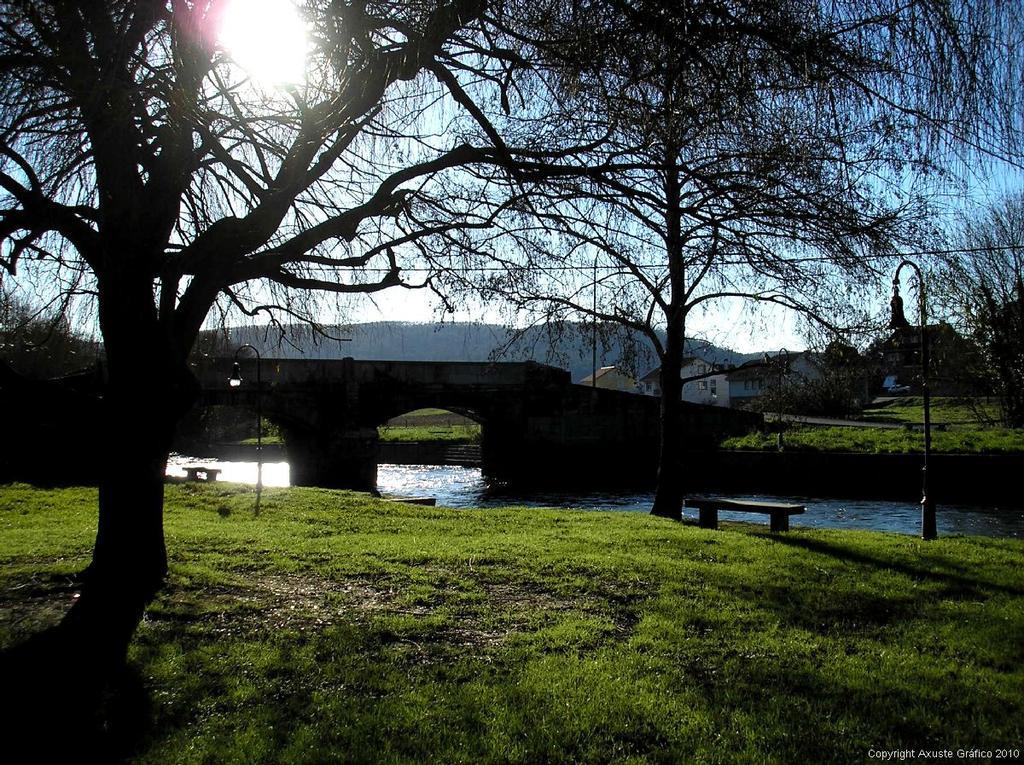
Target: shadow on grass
x: 837, y: 710
x: 955, y: 577
x: 890, y: 651
x: 58, y: 705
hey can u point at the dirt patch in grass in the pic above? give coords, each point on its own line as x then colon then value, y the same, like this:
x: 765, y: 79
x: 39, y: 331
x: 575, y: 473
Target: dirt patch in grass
x: 478, y: 618
x: 449, y: 615
x: 430, y: 624
x: 34, y: 605
x: 520, y: 604
x: 309, y: 601
x: 261, y: 603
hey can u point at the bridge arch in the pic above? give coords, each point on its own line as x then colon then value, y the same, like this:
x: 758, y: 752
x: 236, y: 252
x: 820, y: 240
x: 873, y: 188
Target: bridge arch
x: 536, y: 423
x: 435, y: 417
x: 433, y: 436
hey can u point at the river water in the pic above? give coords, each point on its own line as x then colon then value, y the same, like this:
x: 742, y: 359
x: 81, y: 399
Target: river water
x: 454, y: 486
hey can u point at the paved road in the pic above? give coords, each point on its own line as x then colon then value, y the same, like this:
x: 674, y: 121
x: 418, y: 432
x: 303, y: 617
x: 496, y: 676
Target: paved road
x: 804, y: 420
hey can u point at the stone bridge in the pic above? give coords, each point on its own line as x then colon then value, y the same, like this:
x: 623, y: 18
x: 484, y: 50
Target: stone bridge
x: 537, y: 427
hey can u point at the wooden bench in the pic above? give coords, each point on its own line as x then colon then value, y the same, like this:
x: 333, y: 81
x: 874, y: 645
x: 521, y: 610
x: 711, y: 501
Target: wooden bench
x: 192, y: 473
x: 428, y: 501
x: 779, y: 512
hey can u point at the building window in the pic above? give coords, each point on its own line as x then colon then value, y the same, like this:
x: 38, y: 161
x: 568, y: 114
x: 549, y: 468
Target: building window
x: 702, y: 385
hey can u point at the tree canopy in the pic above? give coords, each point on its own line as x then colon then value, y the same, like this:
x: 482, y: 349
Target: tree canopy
x: 774, y: 153
x: 135, y: 150
x: 142, y: 168
x: 979, y: 284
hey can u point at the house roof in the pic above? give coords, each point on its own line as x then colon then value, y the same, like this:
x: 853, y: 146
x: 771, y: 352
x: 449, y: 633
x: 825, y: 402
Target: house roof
x: 751, y: 370
x: 713, y: 366
x: 600, y: 373
x: 755, y: 368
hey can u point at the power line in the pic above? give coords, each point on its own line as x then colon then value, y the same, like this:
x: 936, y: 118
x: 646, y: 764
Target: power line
x: 724, y: 262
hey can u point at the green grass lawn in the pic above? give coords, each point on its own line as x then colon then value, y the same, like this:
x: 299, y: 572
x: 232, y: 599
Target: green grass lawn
x: 950, y: 410
x: 431, y: 425
x: 337, y: 628
x: 430, y: 413
x: 420, y: 425
x: 961, y: 426
x: 883, y: 441
x: 453, y: 434
x: 275, y: 439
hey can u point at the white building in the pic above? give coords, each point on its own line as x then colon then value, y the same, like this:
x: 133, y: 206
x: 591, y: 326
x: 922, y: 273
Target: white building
x: 704, y: 382
x: 751, y: 380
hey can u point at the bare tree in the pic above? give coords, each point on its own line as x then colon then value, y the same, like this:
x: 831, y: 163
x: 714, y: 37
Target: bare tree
x: 141, y: 168
x: 38, y: 340
x: 981, y: 289
x: 757, y: 151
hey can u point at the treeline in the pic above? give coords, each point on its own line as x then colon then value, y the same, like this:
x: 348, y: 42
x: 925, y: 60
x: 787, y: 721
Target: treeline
x: 567, y: 345
x: 39, y: 342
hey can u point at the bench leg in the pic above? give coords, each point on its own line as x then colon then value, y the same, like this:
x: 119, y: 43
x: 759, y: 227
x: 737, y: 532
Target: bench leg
x: 780, y: 521
x: 708, y: 518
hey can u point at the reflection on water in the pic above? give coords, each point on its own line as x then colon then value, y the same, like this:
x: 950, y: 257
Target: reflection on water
x: 274, y: 473
x: 464, y: 487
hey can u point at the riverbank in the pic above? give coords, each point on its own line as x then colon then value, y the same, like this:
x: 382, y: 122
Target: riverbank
x: 335, y: 626
x: 965, y: 478
x: 882, y: 439
x: 240, y: 452
x: 959, y: 479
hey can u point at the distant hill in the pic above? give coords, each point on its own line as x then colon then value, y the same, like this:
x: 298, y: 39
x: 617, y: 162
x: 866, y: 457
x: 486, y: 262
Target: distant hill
x: 567, y: 346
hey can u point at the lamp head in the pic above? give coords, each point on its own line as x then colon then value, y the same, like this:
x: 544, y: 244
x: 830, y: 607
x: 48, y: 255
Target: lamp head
x: 898, y: 319
x: 236, y: 376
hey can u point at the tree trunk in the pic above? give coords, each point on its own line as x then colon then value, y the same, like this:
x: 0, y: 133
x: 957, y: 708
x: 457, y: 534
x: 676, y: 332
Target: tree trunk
x: 69, y: 694
x: 149, y: 388
x: 67, y: 686
x: 668, y: 497
x: 129, y: 557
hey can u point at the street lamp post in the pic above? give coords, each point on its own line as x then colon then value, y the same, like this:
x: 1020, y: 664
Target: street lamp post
x: 235, y: 381
x: 783, y: 367
x: 899, y: 321
x: 593, y: 331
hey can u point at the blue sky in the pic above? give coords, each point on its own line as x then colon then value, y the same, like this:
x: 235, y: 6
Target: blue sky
x: 727, y: 325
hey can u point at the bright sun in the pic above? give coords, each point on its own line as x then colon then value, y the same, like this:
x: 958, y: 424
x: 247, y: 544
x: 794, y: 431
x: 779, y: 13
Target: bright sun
x: 267, y: 38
